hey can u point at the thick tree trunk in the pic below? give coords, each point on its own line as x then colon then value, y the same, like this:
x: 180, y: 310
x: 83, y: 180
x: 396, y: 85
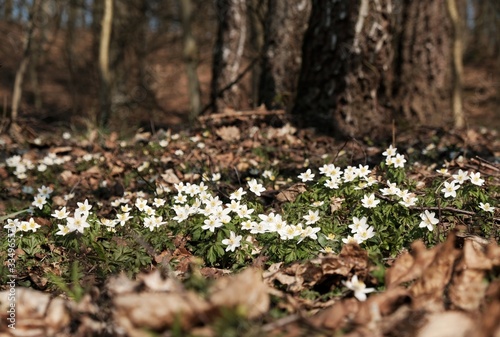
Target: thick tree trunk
x: 285, y: 27
x: 228, y: 63
x: 346, y: 65
x: 104, y: 70
x: 424, y: 72
x: 190, y: 59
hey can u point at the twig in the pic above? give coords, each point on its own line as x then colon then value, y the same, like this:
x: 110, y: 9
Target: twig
x: 281, y: 322
x: 238, y: 114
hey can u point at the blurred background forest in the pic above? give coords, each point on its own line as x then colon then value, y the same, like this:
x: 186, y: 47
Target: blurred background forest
x: 124, y: 64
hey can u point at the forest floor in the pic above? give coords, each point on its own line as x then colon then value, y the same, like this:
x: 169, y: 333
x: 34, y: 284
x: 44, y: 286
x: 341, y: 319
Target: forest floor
x: 157, y: 283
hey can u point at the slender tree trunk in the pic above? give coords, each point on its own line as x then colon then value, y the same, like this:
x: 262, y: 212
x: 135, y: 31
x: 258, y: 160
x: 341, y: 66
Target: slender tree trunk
x: 7, y: 14
x: 346, y: 68
x: 286, y: 25
x: 457, y: 63
x: 23, y: 66
x: 228, y: 54
x: 424, y: 74
x: 190, y: 54
x: 256, y: 18
x: 104, y: 70
x: 70, y: 57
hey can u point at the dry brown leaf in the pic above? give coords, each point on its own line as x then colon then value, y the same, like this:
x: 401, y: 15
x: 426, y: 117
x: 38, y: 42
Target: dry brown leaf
x: 467, y: 288
x: 228, y: 133
x: 410, y: 266
x: 335, y: 204
x: 157, y: 311
x: 427, y: 291
x: 325, y: 270
x: 170, y: 177
x: 245, y: 290
x: 447, y: 324
x: 291, y: 193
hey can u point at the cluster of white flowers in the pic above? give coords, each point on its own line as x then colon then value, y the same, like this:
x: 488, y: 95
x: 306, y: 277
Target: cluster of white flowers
x: 360, y: 231
x: 22, y: 165
x: 76, y: 223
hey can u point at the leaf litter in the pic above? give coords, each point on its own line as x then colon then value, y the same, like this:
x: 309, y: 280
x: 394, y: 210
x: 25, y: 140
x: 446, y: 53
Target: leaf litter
x: 451, y: 289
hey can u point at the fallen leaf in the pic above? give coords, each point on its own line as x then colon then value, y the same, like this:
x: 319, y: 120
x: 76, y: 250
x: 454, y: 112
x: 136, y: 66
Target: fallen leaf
x: 228, y: 133
x: 246, y: 291
x: 291, y: 193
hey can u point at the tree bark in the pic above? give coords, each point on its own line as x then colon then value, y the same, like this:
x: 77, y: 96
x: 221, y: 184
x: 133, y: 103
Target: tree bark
x: 190, y: 54
x: 256, y: 18
x: 23, y: 66
x: 7, y: 11
x: 104, y: 70
x: 285, y: 27
x: 346, y: 68
x: 457, y: 63
x: 228, y: 63
x: 423, y: 67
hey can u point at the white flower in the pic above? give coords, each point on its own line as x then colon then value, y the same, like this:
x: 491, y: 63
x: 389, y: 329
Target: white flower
x: 244, y: 212
x: 84, y: 206
x: 351, y: 240
x: 39, y: 201
x: 330, y: 170
x: 475, y: 178
x: 364, y: 233
x: 391, y: 190
x: 32, y: 225
x: 141, y: 204
x: 358, y: 224
x: 450, y: 189
x: 60, y: 214
x: 158, y: 202
x: 312, y: 217
x: 255, y: 187
x: 461, y: 176
x: 45, y: 191
x: 369, y: 201
x: 428, y: 220
x: 363, y: 171
x: 63, y: 230
x: 443, y: 171
x: 359, y: 288
x: 233, y: 242
x: 306, y: 176
x: 122, y: 218
x: 332, y: 183
x: 78, y: 222
x: 399, y: 161
x: 212, y: 223
x: 390, y: 151
x: 236, y: 195
x: 487, y: 207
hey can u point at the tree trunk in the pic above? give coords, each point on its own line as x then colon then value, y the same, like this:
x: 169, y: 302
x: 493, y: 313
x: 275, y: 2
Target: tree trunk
x: 346, y: 65
x: 423, y: 67
x: 256, y: 18
x: 7, y: 11
x: 190, y: 54
x: 286, y: 24
x: 23, y: 66
x: 70, y: 57
x: 457, y: 64
x: 105, y: 74
x: 228, y: 60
